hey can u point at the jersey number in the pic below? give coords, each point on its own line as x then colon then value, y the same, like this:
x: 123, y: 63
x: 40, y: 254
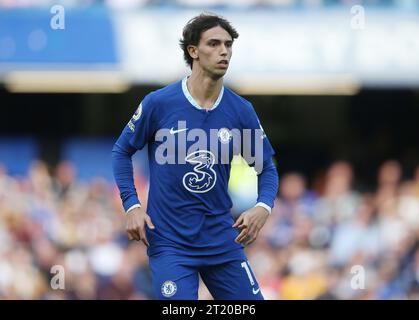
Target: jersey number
x: 246, y: 267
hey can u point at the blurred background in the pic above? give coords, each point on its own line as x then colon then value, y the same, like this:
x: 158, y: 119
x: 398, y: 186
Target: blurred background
x: 334, y: 82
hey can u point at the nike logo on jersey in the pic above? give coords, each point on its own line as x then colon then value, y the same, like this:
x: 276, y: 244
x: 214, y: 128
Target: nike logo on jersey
x: 255, y: 291
x: 173, y: 131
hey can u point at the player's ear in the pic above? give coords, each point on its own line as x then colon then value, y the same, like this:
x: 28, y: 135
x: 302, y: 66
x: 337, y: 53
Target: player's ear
x: 193, y: 51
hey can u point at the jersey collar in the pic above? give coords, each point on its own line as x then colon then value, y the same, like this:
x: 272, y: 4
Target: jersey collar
x: 193, y: 102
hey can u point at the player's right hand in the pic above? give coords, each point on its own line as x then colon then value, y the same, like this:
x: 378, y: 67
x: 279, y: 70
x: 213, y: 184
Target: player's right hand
x: 136, y: 220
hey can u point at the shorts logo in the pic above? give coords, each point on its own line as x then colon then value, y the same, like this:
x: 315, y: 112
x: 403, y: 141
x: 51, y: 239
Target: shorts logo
x: 168, y: 288
x: 224, y: 135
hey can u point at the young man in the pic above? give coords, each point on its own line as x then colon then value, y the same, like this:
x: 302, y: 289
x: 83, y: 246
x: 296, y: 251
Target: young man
x: 193, y: 128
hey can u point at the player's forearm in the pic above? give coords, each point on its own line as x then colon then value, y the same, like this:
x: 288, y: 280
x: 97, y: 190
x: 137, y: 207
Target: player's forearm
x: 268, y: 184
x: 123, y: 173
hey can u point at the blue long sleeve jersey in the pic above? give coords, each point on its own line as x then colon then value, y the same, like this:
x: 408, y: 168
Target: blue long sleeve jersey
x: 190, y: 150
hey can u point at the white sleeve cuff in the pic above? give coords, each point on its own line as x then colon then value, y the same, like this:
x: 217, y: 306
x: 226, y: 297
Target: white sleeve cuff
x: 264, y: 205
x: 133, y: 207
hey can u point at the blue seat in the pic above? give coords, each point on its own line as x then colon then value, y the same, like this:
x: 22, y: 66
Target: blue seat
x: 16, y: 154
x: 92, y: 158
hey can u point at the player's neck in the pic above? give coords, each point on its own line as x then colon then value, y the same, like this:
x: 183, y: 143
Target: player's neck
x: 203, y: 89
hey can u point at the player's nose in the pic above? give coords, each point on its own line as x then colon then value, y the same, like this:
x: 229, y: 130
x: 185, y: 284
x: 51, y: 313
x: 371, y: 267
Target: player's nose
x: 224, y: 50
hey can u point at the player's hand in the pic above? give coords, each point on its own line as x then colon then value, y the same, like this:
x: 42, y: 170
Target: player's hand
x: 249, y: 223
x: 136, y: 220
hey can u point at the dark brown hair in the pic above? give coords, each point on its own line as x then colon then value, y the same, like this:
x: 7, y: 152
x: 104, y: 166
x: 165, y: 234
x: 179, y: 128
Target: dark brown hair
x: 196, y: 26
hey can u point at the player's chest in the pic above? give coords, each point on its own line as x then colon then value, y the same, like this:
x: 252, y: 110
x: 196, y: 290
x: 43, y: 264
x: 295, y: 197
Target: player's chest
x: 197, y: 122
x: 198, y: 129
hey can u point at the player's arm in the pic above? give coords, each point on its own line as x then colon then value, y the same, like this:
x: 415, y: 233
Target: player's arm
x: 136, y: 217
x: 251, y: 221
x: 134, y: 137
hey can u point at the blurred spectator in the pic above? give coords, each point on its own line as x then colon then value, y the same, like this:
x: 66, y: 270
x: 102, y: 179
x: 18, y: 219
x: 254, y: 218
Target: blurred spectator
x: 306, y: 278
x: 64, y: 179
x: 293, y: 204
x: 339, y: 202
x: 356, y: 235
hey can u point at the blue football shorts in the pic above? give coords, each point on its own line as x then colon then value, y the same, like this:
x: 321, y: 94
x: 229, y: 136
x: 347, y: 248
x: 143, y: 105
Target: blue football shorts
x: 227, y: 276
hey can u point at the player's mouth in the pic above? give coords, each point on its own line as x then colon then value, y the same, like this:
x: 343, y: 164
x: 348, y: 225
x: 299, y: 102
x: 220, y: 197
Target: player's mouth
x: 222, y: 64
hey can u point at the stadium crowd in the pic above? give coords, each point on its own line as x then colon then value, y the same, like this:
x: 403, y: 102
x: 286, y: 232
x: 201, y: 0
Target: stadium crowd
x: 317, y: 244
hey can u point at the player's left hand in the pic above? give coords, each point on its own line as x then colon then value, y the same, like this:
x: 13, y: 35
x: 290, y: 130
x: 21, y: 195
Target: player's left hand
x: 250, y: 222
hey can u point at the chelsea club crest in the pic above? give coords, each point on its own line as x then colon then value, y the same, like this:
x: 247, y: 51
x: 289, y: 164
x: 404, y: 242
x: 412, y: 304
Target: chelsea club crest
x: 224, y: 135
x: 168, y: 289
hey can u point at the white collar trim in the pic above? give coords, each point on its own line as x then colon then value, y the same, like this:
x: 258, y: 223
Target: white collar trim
x: 192, y: 100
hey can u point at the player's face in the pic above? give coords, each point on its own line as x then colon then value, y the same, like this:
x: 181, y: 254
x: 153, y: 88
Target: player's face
x: 214, y: 51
